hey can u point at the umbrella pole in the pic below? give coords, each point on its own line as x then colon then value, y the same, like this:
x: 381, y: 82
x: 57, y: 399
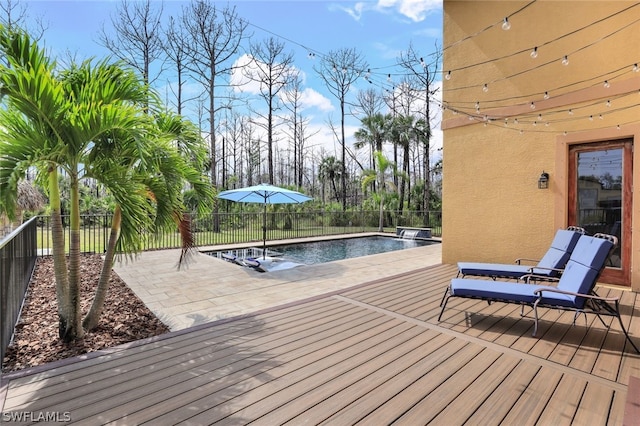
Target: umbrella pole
x: 264, y: 231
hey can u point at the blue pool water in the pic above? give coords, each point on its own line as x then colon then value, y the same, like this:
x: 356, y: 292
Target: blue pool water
x: 347, y: 248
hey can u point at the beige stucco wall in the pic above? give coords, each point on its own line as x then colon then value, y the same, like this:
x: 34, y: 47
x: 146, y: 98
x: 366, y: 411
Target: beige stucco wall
x: 492, y: 207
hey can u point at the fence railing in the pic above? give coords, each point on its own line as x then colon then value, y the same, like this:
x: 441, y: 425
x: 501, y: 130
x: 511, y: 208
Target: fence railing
x: 18, y: 254
x: 228, y: 228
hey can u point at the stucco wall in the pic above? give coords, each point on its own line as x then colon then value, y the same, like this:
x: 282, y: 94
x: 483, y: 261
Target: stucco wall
x: 492, y: 207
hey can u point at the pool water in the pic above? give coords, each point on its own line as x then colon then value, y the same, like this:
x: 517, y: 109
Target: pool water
x: 327, y: 251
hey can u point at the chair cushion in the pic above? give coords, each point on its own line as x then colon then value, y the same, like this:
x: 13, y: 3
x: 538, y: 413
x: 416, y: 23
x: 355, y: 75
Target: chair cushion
x: 565, y: 240
x: 498, y: 270
x: 591, y: 252
x: 508, y: 292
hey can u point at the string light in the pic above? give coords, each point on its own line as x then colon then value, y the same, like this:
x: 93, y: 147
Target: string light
x: 485, y: 88
x: 565, y: 60
x: 546, y: 95
x: 636, y: 68
x: 534, y: 52
x: 506, y: 25
x: 448, y: 76
x: 606, y: 84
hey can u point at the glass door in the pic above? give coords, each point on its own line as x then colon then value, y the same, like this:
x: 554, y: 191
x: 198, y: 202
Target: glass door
x: 600, y: 198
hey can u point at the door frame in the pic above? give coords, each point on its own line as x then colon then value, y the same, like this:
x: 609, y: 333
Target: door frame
x: 622, y: 275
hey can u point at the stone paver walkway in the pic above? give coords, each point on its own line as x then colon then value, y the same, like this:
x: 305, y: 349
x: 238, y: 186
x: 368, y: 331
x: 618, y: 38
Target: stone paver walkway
x: 211, y: 289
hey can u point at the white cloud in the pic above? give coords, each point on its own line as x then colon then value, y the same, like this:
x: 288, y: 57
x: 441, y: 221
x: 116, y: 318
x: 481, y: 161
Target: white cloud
x: 313, y: 99
x: 416, y: 10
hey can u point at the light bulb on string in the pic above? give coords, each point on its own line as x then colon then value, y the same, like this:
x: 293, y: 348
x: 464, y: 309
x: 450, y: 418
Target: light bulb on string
x: 570, y: 112
x: 600, y: 117
x: 422, y: 63
x: 485, y: 88
x: 506, y: 25
x: 532, y: 105
x: 606, y: 84
x: 447, y: 76
x: 591, y: 118
x: 388, y: 77
x: 534, y: 52
x: 618, y: 127
x: 636, y: 68
x: 608, y: 104
x: 565, y: 60
x: 546, y: 95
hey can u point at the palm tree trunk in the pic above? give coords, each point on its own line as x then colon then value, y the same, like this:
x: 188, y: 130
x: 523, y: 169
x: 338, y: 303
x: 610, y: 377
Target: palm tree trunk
x: 91, y: 319
x: 381, y: 218
x: 59, y: 258
x: 74, y: 326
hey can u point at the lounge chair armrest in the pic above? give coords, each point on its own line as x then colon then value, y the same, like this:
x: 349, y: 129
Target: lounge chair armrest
x: 527, y: 277
x: 521, y: 259
x: 539, y: 292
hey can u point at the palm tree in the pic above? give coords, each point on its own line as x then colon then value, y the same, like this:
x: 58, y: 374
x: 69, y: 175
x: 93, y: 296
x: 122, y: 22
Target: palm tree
x: 402, y: 131
x: 175, y: 157
x: 372, y: 133
x: 330, y: 170
x: 89, y: 121
x: 380, y: 176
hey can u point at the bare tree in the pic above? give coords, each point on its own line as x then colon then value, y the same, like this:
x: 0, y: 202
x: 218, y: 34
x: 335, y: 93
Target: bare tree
x: 176, y: 50
x: 339, y: 70
x: 297, y: 126
x: 216, y: 37
x: 425, y: 74
x: 271, y: 69
x: 369, y: 102
x: 14, y: 15
x: 138, y: 35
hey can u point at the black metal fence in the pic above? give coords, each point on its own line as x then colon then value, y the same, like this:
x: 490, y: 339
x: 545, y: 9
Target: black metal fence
x: 18, y: 254
x: 227, y: 228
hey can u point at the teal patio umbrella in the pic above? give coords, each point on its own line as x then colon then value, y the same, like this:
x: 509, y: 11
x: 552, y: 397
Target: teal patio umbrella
x: 264, y: 194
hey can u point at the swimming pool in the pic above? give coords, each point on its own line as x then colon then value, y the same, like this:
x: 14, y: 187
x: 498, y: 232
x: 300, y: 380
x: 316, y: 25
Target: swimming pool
x: 309, y: 253
x: 329, y: 250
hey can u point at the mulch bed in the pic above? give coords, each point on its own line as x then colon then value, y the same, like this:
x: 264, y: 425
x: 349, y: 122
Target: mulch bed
x: 124, y: 318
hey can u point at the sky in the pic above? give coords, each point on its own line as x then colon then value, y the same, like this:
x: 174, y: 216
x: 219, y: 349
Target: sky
x: 378, y: 29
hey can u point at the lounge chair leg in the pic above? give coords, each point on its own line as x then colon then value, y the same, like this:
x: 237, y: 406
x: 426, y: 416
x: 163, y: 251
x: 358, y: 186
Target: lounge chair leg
x: 444, y: 305
x: 624, y: 330
x: 535, y: 318
x: 446, y: 292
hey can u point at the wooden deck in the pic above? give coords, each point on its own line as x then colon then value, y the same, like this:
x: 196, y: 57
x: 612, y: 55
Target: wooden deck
x: 374, y: 354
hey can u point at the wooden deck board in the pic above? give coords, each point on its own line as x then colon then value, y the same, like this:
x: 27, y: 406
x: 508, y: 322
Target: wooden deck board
x: 372, y: 354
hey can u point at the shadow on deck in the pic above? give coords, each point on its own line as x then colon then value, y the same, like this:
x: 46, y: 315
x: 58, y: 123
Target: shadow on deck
x: 373, y: 353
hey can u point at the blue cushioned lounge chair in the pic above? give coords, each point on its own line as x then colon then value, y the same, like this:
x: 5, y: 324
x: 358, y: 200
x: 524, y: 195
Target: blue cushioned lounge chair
x: 550, y: 266
x: 574, y: 290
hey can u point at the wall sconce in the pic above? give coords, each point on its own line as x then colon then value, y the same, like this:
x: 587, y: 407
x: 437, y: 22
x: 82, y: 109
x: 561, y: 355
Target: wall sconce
x: 543, y: 180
